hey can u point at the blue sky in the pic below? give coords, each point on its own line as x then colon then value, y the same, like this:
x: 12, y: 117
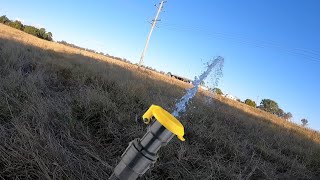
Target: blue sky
x: 271, y: 48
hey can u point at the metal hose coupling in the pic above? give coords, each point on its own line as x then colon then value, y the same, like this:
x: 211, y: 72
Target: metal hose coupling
x: 142, y: 153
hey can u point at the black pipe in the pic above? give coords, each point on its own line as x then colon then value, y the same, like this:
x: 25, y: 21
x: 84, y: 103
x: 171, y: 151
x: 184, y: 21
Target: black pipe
x: 141, y: 154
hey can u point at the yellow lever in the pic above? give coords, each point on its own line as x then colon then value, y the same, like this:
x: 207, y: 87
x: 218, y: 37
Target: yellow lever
x: 166, y: 119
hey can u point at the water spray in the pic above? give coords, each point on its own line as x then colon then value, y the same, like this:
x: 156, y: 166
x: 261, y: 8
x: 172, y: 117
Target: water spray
x: 141, y: 154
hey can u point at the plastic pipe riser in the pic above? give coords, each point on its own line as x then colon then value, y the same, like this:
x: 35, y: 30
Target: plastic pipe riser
x: 141, y: 154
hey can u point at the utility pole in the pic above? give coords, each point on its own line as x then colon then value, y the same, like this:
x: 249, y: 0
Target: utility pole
x: 152, y: 27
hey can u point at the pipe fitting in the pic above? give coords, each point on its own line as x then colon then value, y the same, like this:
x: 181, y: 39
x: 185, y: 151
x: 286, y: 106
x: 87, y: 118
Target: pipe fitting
x: 141, y: 154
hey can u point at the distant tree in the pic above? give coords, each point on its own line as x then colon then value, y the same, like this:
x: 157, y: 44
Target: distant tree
x: 250, y: 102
x: 269, y: 106
x: 42, y: 33
x: 280, y: 113
x: 49, y: 36
x: 16, y: 24
x: 4, y: 19
x: 304, y: 122
x: 287, y: 116
x: 218, y: 91
x: 31, y: 30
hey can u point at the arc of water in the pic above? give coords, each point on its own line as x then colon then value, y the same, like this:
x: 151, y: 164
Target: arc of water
x: 183, y: 102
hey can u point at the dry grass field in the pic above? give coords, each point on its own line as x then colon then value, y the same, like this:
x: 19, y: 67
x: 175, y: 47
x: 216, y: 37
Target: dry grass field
x: 69, y: 114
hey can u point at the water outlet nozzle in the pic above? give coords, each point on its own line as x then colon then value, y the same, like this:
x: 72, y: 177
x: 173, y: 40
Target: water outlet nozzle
x: 142, y: 153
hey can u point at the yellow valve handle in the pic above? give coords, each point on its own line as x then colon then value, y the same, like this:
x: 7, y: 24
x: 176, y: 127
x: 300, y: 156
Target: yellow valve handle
x: 166, y: 119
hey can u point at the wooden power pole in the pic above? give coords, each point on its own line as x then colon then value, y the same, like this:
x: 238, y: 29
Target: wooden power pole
x: 154, y: 22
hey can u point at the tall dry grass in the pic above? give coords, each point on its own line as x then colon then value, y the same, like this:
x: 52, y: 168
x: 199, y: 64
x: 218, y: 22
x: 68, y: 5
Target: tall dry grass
x: 70, y: 115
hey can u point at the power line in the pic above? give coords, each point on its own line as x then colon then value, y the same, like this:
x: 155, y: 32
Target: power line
x: 311, y: 55
x: 261, y: 44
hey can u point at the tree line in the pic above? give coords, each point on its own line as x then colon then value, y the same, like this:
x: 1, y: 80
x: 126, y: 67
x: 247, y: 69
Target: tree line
x: 40, y: 33
x: 93, y: 51
x: 268, y: 105
x: 78, y: 47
